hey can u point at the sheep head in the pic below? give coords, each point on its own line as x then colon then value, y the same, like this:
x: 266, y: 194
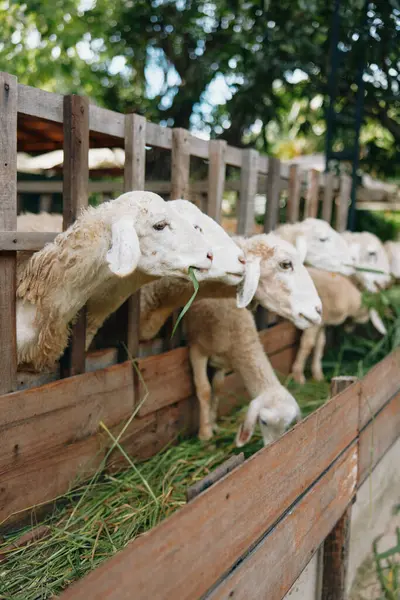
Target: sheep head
x: 285, y: 286
x: 370, y: 254
x: 275, y: 410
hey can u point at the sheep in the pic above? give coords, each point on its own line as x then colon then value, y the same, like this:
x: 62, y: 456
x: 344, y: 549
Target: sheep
x: 321, y: 246
x: 393, y: 253
x: 340, y: 300
x: 284, y: 287
x: 41, y: 222
x: 227, y: 336
x: 229, y: 268
x: 138, y: 235
x: 371, y: 255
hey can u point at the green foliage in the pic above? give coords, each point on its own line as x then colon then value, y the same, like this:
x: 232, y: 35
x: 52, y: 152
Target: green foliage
x: 382, y: 225
x: 388, y: 569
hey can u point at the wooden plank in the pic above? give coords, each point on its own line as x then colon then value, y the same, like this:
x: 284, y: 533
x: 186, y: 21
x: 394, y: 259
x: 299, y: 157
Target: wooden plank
x: 167, y: 379
x: 327, y: 205
x: 128, y: 315
x: 312, y: 195
x: 234, y: 156
x: 294, y: 193
x: 8, y: 221
x: 378, y: 437
x: 38, y: 103
x: 199, y: 147
x: 263, y: 165
x: 201, y: 486
x: 158, y: 136
x: 17, y: 240
x: 273, y: 195
x: 273, y: 566
x: 336, y: 559
x: 279, y: 337
x: 336, y: 549
x: 186, y: 564
x: 342, y: 208
x: 378, y: 386
x: 180, y: 164
x: 108, y: 122
x: 75, y: 198
x: 248, y: 190
x: 216, y: 178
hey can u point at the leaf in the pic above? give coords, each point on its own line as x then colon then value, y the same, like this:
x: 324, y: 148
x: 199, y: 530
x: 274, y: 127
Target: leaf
x: 190, y: 302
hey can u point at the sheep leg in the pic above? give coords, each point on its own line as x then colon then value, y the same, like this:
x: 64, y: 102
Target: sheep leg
x: 217, y: 385
x: 307, y: 343
x: 203, y: 390
x: 316, y: 366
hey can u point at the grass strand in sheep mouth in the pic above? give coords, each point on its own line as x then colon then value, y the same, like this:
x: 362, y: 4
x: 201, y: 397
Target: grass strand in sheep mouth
x: 190, y: 301
x: 367, y: 270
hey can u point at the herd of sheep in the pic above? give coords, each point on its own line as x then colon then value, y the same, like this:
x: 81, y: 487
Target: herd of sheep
x: 141, y: 241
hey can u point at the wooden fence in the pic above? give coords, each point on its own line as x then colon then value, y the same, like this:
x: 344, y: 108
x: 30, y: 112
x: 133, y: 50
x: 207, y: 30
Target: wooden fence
x: 286, y: 496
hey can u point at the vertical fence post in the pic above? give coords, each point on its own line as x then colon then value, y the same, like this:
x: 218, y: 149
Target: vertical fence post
x: 248, y: 190
x: 180, y: 172
x: 328, y: 196
x: 312, y: 195
x: 128, y: 315
x: 294, y: 192
x: 342, y: 209
x: 8, y: 222
x: 337, y: 544
x: 216, y: 178
x: 75, y: 197
x: 273, y: 194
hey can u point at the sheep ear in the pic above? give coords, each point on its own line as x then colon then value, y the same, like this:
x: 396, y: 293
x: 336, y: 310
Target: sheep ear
x: 248, y: 286
x: 377, y: 321
x: 246, y: 430
x: 124, y: 254
x: 301, y: 247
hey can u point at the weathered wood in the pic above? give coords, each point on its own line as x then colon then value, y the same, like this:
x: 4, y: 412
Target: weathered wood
x: 234, y: 156
x: 337, y: 544
x: 342, y: 208
x: 8, y: 221
x: 199, y: 147
x: 44, y: 105
x: 279, y: 337
x: 75, y: 198
x: 201, y: 486
x: 378, y: 436
x: 180, y: 164
x: 294, y: 193
x: 312, y: 195
x: 248, y: 190
x: 128, y: 315
x: 289, y: 546
x: 186, y: 564
x: 216, y: 178
x: 20, y: 240
x: 160, y: 137
x: 336, y: 559
x: 327, y: 205
x: 273, y: 190
x: 378, y: 386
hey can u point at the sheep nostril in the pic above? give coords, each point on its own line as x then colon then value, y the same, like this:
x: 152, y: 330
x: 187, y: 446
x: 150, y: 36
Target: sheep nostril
x: 210, y: 255
x: 319, y: 310
x: 242, y: 260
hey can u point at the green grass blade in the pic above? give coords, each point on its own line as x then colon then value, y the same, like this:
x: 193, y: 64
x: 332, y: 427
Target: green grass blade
x: 190, y: 302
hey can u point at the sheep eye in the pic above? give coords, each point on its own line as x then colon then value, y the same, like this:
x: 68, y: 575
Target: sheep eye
x: 323, y: 239
x: 372, y: 253
x: 199, y: 228
x: 160, y: 226
x: 286, y: 265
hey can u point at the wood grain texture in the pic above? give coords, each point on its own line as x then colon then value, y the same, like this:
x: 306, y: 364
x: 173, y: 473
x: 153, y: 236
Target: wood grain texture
x: 8, y: 221
x: 336, y: 559
x: 378, y: 386
x: 17, y: 240
x: 204, y: 484
x: 294, y: 194
x: 273, y: 566
x: 75, y: 198
x: 342, y: 208
x: 378, y: 436
x: 199, y: 543
x: 312, y: 195
x: 248, y: 191
x: 328, y: 200
x: 273, y: 190
x: 339, y: 384
x: 180, y: 164
x: 216, y: 178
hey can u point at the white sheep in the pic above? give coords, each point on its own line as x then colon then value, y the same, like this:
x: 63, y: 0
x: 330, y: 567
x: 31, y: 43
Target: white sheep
x: 393, y: 253
x: 371, y: 255
x: 138, y: 235
x: 321, y: 246
x: 226, y: 336
x: 340, y: 300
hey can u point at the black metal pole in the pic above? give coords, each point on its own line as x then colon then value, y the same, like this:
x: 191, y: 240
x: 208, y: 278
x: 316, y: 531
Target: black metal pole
x: 332, y: 81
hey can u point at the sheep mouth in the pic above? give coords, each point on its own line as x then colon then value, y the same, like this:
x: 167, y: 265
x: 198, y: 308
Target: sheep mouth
x: 308, y: 319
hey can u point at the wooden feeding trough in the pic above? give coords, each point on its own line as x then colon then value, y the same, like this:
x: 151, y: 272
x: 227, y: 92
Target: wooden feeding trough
x: 250, y: 534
